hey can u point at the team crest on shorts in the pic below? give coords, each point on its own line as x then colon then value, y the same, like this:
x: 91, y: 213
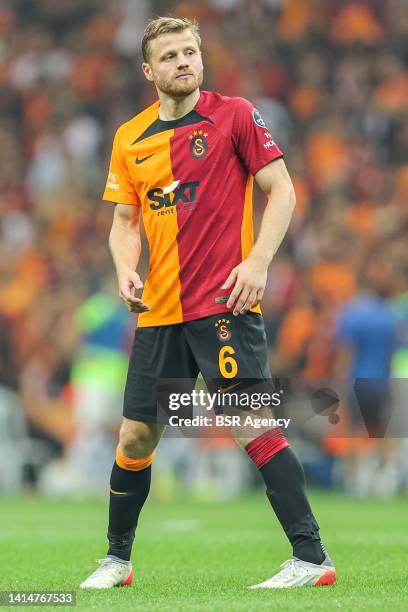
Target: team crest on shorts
x: 198, y: 144
x: 223, y: 330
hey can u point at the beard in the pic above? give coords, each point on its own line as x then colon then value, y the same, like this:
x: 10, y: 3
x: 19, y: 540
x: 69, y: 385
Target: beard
x: 179, y: 88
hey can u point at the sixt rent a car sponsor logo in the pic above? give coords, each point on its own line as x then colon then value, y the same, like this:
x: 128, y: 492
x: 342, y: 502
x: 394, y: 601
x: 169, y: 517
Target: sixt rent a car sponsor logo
x: 176, y: 197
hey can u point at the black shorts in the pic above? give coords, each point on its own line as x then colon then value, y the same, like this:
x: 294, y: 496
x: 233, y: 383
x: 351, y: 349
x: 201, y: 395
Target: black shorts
x: 222, y: 347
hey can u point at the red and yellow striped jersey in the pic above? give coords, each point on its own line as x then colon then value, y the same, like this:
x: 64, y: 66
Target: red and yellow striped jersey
x: 193, y: 178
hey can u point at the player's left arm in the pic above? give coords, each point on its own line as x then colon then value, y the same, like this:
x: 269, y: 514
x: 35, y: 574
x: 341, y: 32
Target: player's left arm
x: 248, y: 279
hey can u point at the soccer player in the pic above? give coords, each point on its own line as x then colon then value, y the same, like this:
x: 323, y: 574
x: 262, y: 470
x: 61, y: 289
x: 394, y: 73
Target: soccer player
x: 186, y: 165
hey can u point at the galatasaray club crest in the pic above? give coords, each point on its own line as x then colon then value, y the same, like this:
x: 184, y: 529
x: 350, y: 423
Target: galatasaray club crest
x: 223, y: 330
x: 198, y: 144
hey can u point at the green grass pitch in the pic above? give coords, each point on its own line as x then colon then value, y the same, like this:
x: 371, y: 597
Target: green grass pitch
x: 190, y: 555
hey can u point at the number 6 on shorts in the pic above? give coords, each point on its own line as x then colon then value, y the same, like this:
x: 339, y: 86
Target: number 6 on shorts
x: 228, y: 366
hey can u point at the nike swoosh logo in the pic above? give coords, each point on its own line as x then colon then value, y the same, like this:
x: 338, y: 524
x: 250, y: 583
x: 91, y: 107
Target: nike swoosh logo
x: 224, y: 389
x: 140, y: 161
x: 118, y: 492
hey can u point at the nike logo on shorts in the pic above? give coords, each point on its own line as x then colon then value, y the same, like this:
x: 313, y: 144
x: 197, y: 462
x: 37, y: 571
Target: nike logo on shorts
x: 224, y: 389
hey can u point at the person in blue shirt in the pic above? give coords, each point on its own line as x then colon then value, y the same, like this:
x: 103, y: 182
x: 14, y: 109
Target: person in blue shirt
x: 366, y: 335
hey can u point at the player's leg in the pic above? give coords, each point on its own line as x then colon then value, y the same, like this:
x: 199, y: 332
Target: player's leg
x: 284, y: 478
x: 130, y: 483
x: 242, y: 339
x: 129, y: 488
x: 157, y: 352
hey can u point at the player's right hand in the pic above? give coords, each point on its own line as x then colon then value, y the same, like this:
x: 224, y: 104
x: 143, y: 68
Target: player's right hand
x: 129, y: 284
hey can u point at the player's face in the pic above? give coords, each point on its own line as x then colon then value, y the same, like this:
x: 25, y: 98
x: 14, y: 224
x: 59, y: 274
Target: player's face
x: 175, y: 64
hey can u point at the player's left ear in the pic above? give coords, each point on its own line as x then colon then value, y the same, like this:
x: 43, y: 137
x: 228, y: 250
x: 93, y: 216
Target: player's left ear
x: 147, y: 71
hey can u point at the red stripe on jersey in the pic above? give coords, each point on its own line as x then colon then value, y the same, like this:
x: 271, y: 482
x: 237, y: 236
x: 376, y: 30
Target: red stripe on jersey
x: 209, y: 243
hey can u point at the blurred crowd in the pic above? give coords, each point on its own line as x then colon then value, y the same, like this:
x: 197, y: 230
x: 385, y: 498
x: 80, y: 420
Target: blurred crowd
x: 330, y: 79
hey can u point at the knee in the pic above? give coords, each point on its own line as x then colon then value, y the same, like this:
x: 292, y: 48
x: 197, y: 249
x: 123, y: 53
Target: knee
x: 137, y: 441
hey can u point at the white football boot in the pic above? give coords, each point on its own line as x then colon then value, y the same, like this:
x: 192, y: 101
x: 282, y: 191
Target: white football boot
x: 297, y: 573
x: 111, y: 573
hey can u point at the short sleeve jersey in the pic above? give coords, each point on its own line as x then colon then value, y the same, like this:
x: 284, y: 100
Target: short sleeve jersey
x: 193, y: 179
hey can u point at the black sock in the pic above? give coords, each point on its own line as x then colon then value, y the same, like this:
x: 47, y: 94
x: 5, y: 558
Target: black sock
x: 130, y: 490
x: 285, y: 482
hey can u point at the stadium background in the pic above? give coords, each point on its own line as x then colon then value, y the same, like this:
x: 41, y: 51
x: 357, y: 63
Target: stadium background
x: 329, y: 79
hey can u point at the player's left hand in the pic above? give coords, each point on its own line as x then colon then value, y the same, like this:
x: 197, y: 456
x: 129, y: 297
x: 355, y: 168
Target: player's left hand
x: 249, y: 280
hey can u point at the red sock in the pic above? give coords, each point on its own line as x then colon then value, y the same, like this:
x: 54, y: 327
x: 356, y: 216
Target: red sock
x: 262, y: 449
x: 285, y: 487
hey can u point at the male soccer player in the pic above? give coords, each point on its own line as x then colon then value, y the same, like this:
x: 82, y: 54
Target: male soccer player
x: 186, y: 164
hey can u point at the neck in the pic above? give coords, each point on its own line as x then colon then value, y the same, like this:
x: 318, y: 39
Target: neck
x: 174, y: 108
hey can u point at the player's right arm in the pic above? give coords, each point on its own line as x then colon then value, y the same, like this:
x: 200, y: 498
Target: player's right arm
x: 125, y: 247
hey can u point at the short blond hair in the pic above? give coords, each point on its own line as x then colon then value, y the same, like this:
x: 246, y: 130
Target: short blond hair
x: 167, y: 25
